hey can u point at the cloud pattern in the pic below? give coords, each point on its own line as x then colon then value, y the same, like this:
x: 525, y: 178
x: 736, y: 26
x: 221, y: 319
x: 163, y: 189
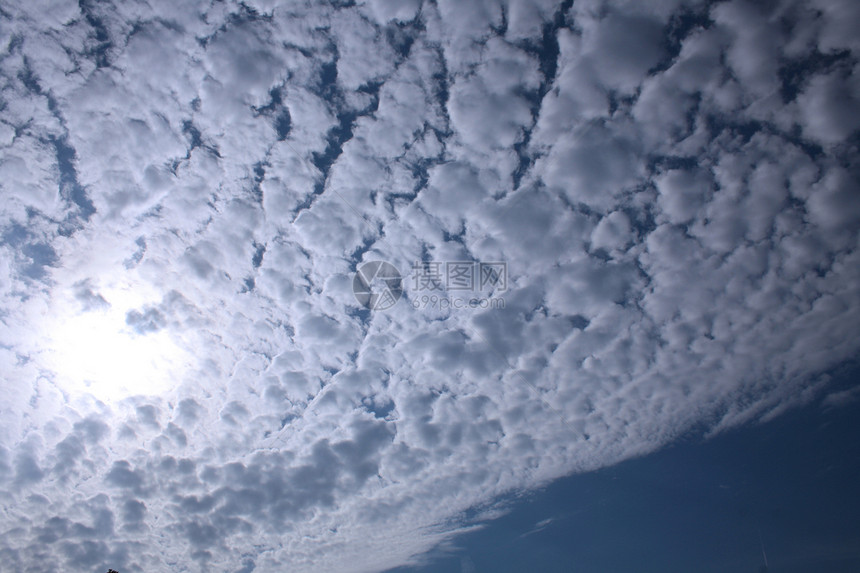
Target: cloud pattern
x: 673, y: 187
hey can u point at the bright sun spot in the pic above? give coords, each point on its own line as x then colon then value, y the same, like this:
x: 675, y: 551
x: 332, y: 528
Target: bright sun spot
x: 96, y: 352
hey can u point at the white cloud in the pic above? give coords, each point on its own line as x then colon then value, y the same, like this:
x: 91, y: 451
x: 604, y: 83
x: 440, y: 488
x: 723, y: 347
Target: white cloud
x: 828, y: 107
x: 682, y: 193
x: 680, y: 256
x: 613, y: 232
x: 596, y: 167
x: 623, y: 48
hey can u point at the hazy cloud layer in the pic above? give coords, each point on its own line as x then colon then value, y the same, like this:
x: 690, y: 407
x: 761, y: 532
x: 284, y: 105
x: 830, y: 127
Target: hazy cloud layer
x: 674, y: 188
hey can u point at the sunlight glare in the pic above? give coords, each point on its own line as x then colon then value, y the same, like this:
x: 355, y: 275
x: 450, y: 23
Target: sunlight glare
x: 96, y: 352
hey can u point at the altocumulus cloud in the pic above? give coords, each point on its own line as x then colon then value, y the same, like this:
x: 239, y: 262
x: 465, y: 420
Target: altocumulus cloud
x: 673, y: 186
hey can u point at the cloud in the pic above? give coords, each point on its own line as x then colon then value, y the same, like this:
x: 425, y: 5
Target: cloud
x: 827, y: 105
x: 672, y: 188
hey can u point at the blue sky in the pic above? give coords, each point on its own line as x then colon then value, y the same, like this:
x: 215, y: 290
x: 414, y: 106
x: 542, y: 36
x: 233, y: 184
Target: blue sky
x: 699, y: 505
x: 360, y: 286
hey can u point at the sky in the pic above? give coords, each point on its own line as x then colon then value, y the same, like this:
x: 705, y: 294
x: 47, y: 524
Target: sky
x: 365, y: 286
x: 784, y: 492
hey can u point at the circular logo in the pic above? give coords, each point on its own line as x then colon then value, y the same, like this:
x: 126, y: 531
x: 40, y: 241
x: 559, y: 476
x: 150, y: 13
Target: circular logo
x: 377, y: 285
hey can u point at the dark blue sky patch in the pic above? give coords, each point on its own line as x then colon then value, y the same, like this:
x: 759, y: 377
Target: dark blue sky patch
x: 546, y: 50
x: 338, y: 135
x: 137, y: 256
x: 39, y: 257
x: 578, y: 321
x: 256, y: 188
x: 357, y: 256
x: 330, y: 92
x: 15, y: 234
x: 259, y: 252
x: 361, y: 314
x: 745, y: 130
x: 642, y: 222
x: 421, y: 172
x: 379, y: 408
x: 327, y: 86
x: 336, y: 138
x: 244, y: 15
x: 794, y: 73
x: 259, y: 172
x: 99, y: 42
x: 248, y: 284
x: 696, y: 506
x: 70, y: 189
x: 658, y: 163
x: 276, y: 100
x: 618, y: 101
x: 195, y: 140
x: 283, y: 124
x: 680, y: 26
x: 28, y: 78
x: 397, y: 200
x: 31, y: 82
x: 280, y: 114
x: 442, y: 89
x: 459, y: 237
x: 401, y: 36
